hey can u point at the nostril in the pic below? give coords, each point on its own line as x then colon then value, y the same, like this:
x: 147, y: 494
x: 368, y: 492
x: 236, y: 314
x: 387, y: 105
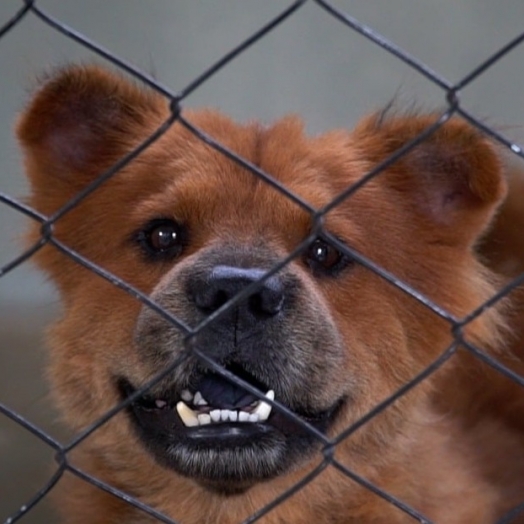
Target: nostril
x: 267, y: 304
x: 221, y: 298
x: 270, y: 298
x: 208, y: 298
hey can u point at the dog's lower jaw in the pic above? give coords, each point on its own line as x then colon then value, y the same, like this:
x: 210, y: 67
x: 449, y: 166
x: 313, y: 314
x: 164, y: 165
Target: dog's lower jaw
x: 226, y: 457
x: 228, y: 465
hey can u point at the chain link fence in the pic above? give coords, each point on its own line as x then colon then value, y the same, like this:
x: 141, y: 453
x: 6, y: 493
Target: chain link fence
x: 451, y: 93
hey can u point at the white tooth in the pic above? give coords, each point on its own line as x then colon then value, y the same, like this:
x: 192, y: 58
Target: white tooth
x: 186, y: 395
x: 204, y: 419
x: 263, y: 409
x: 224, y: 414
x: 160, y: 403
x: 187, y: 415
x: 243, y: 416
x: 253, y: 417
x: 215, y: 415
x: 199, y: 399
x: 233, y: 416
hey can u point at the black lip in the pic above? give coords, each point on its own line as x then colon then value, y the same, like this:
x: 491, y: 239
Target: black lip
x: 228, y: 434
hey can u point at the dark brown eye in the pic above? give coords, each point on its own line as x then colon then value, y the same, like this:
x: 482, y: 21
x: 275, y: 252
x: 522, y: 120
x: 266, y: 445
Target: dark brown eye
x: 325, y: 259
x: 162, y: 238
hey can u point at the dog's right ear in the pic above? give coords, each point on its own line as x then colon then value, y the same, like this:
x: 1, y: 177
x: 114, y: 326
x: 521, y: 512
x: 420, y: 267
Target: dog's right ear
x: 452, y: 182
x: 81, y: 121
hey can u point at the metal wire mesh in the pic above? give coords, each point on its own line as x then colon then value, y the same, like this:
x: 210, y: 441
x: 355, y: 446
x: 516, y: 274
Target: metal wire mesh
x: 328, y: 445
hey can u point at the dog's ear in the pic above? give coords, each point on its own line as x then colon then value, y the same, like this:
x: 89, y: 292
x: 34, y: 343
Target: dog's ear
x: 452, y: 180
x: 81, y: 121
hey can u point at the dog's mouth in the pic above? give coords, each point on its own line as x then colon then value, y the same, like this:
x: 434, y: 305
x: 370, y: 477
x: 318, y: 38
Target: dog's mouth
x: 229, y: 404
x: 215, y: 400
x: 218, y: 433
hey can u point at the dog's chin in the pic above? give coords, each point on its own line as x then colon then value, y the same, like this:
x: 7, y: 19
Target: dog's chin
x: 225, y: 456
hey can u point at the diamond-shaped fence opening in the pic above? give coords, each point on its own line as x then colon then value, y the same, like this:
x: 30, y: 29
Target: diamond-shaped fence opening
x: 327, y: 457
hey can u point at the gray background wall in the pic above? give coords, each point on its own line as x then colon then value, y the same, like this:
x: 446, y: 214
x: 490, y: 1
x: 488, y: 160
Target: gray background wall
x: 312, y: 65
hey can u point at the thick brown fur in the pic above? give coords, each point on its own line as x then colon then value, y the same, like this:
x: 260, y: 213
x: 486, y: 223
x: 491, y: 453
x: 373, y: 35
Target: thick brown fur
x: 451, y: 448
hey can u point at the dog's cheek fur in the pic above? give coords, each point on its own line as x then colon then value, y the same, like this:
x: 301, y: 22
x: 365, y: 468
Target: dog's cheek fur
x: 84, y: 360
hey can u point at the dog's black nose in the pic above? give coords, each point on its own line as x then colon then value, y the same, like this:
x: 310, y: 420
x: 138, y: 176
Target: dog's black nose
x: 222, y: 283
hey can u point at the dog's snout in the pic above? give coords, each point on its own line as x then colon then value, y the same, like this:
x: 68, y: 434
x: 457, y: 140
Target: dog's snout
x: 224, y: 282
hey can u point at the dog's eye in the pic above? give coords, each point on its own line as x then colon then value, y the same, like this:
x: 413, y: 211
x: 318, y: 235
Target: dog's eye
x: 162, y: 238
x: 325, y: 259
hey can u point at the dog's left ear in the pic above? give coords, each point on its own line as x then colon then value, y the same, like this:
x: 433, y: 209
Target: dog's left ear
x: 80, y: 121
x: 452, y: 180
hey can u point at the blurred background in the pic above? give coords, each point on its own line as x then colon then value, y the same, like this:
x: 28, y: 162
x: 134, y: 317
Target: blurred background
x: 311, y: 64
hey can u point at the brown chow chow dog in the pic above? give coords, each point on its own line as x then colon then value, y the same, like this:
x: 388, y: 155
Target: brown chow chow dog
x: 325, y: 336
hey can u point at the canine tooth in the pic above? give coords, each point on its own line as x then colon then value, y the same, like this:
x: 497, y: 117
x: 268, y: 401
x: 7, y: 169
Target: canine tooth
x: 233, y: 416
x: 187, y: 415
x: 186, y: 395
x: 253, y: 417
x: 263, y: 409
x: 160, y: 403
x: 243, y: 416
x: 215, y: 415
x: 199, y: 399
x: 204, y: 419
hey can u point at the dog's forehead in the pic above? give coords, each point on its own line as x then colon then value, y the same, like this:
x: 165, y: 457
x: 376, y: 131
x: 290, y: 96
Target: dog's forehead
x: 313, y: 169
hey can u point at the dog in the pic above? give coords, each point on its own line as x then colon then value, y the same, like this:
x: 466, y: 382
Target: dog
x: 315, y: 345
